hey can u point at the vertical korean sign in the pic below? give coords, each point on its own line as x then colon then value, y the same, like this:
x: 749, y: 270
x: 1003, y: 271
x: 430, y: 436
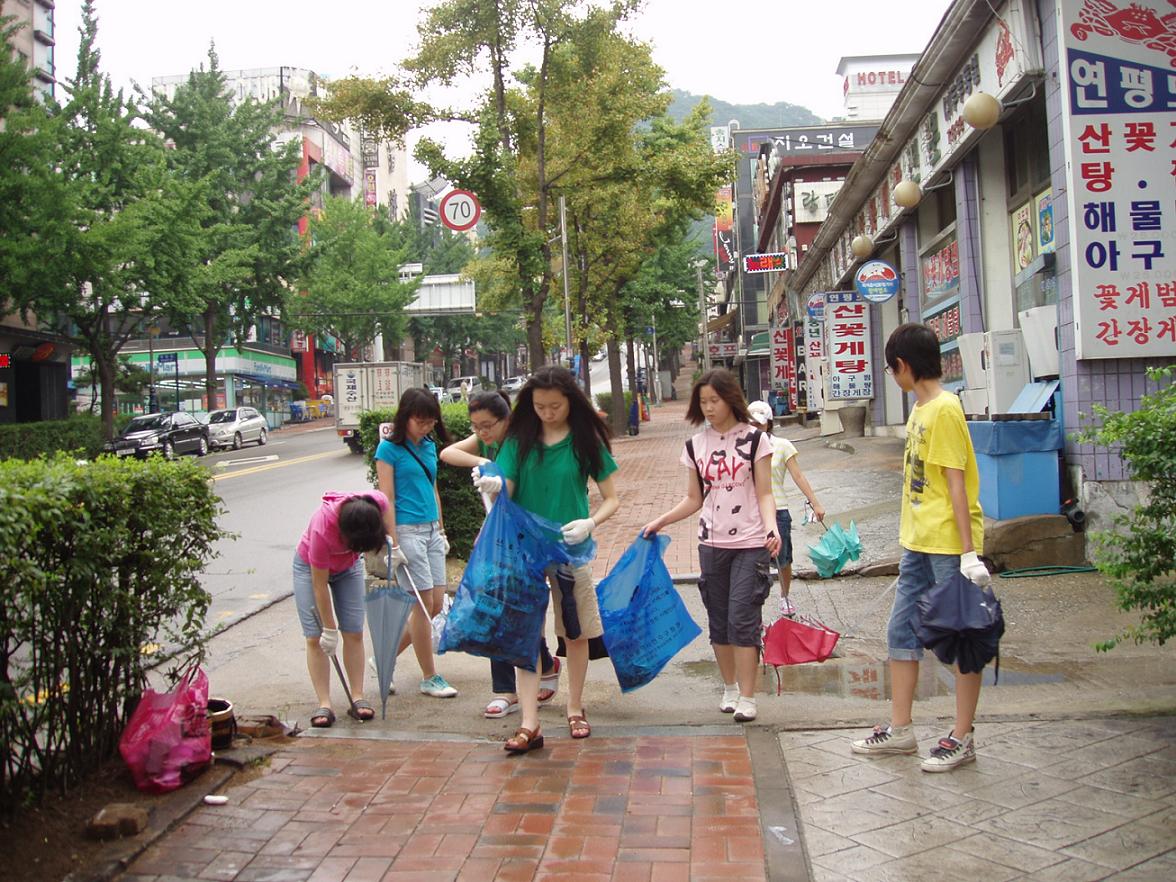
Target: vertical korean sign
x: 724, y: 236
x: 1119, y: 113
x: 847, y: 323
x: 783, y: 366
x: 814, y: 350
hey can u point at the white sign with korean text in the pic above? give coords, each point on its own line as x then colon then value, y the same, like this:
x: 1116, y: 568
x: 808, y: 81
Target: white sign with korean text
x: 350, y: 399
x: 723, y: 350
x: 814, y: 353
x: 847, y: 326
x: 811, y: 200
x: 1119, y: 118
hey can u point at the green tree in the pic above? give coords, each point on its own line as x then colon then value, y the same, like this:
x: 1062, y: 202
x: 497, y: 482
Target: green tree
x: 1139, y: 552
x: 124, y: 230
x: 248, y: 248
x: 352, y: 281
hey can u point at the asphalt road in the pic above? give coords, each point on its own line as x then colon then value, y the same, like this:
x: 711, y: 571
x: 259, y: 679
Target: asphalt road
x: 269, y: 494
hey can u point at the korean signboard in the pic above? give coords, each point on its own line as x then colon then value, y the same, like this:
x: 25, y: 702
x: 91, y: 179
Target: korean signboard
x: 783, y: 365
x: 1118, y: 106
x: 765, y: 263
x: 811, y: 140
x: 811, y: 200
x: 814, y: 351
x: 723, y: 350
x: 724, y: 235
x: 847, y: 326
x: 369, y: 187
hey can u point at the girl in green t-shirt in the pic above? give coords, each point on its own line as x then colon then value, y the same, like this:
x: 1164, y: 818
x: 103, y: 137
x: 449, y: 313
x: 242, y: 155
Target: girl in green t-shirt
x: 489, y: 418
x: 555, y: 443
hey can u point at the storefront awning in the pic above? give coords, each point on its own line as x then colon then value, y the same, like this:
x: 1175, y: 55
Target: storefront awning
x: 759, y: 346
x: 269, y: 381
x: 720, y: 322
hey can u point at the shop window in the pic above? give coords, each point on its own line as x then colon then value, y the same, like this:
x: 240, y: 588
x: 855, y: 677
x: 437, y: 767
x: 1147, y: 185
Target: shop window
x: 1027, y: 151
x: 1030, y: 207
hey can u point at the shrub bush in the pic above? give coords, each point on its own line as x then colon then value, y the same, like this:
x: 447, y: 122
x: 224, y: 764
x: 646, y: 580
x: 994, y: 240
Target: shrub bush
x: 461, y: 506
x: 1138, y: 554
x: 98, y: 563
x: 604, y: 402
x: 80, y: 435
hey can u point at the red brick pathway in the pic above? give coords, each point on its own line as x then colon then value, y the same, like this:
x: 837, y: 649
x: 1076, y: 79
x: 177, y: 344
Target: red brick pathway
x: 652, y: 809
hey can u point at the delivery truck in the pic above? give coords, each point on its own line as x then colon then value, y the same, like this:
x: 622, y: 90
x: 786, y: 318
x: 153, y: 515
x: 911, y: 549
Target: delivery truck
x: 373, y: 385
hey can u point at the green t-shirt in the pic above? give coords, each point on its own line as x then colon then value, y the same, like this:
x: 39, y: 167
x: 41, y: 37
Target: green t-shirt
x: 488, y: 451
x: 551, y: 487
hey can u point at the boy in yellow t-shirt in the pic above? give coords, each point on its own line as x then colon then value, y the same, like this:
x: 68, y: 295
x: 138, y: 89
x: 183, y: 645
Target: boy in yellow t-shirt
x: 942, y: 531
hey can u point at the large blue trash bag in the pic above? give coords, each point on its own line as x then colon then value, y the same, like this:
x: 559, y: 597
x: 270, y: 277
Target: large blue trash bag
x: 645, y: 621
x: 501, y: 603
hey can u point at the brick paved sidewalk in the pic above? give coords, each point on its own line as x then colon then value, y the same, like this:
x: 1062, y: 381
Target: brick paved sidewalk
x: 609, y: 808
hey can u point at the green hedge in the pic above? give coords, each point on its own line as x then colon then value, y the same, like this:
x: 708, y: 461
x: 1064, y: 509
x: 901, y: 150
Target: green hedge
x: 461, y: 505
x: 604, y: 400
x: 99, y: 569
x: 80, y: 435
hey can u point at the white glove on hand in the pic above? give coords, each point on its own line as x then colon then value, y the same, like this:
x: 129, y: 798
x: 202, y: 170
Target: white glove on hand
x: 575, y: 532
x: 974, y: 570
x: 329, y: 640
x: 489, y: 484
x: 395, y: 558
x: 444, y: 543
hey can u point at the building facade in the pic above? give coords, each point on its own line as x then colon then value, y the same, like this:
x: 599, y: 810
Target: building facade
x: 1020, y: 198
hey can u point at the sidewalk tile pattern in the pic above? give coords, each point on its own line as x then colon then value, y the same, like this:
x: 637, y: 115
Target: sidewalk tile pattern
x: 654, y: 809
x: 1075, y: 800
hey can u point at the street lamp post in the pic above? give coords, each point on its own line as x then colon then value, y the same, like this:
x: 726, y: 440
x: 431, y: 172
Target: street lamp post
x: 563, y: 237
x: 152, y: 400
x: 656, y: 378
x: 702, y: 318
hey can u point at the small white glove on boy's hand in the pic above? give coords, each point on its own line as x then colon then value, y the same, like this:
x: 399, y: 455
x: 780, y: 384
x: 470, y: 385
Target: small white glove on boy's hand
x: 490, y: 484
x: 444, y: 543
x: 396, y: 557
x: 575, y: 532
x: 974, y: 570
x: 329, y: 640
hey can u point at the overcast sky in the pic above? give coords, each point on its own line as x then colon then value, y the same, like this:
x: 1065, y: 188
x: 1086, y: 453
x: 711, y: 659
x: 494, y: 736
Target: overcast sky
x: 742, y: 51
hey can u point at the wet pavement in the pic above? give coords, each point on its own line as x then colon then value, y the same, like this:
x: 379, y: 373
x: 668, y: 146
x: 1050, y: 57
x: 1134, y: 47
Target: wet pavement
x: 1075, y: 778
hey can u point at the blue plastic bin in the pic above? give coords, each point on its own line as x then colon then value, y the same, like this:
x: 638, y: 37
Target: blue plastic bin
x: 1018, y: 463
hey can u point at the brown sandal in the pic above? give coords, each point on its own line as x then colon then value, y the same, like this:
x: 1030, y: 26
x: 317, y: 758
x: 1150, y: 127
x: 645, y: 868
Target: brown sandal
x: 523, y: 740
x: 578, y: 724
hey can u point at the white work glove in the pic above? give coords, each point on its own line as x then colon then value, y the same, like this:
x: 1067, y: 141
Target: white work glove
x: 328, y: 640
x: 444, y: 543
x: 974, y: 570
x: 575, y: 532
x: 395, y: 558
x: 489, y: 484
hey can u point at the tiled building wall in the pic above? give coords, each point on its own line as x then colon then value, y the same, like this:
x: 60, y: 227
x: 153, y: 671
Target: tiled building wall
x: 967, y: 198
x: 1117, y: 384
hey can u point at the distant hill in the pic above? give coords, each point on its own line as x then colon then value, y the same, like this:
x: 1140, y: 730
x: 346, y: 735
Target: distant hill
x: 750, y: 116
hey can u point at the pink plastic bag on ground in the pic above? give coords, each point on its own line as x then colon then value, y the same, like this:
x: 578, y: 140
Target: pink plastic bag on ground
x: 167, y: 740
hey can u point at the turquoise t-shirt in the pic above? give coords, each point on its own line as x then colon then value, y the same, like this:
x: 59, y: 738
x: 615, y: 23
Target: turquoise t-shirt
x: 551, y: 487
x: 415, y: 501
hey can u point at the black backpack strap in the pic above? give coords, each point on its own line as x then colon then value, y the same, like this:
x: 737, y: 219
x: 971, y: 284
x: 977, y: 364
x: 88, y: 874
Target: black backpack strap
x: 420, y: 462
x: 754, y: 447
x: 694, y: 462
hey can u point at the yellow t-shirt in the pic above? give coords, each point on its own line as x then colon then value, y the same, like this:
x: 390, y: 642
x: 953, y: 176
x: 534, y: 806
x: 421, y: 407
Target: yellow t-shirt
x: 936, y: 439
x: 782, y: 451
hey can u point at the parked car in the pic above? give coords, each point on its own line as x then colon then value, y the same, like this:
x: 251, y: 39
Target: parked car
x: 453, y: 387
x: 438, y: 392
x: 166, y: 433
x: 512, y: 385
x: 601, y: 355
x: 236, y: 425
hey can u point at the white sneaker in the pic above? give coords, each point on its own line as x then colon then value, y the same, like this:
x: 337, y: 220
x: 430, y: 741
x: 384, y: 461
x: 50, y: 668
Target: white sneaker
x: 787, y: 607
x: 887, y: 741
x: 949, y: 753
x: 438, y: 687
x: 730, y: 698
x: 372, y: 668
x: 745, y: 710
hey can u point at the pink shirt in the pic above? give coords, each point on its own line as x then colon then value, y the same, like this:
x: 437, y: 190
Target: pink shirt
x: 730, y: 516
x: 322, y: 545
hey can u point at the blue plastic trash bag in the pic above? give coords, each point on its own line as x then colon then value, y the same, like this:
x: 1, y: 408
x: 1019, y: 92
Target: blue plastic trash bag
x: 645, y: 621
x: 501, y: 602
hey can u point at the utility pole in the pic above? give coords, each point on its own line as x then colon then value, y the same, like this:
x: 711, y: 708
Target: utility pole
x: 563, y: 236
x: 702, y: 319
x: 657, y: 397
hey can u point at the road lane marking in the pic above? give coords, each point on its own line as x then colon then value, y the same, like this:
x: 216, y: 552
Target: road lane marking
x: 279, y: 465
x: 225, y: 463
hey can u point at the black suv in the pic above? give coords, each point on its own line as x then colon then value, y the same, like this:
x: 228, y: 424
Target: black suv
x: 166, y: 433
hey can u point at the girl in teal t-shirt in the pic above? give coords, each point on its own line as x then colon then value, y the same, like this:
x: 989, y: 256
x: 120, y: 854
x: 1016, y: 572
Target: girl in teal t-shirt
x: 555, y: 443
x: 490, y: 418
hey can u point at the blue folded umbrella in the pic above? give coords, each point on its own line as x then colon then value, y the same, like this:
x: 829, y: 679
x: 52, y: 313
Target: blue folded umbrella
x: 962, y: 624
x: 835, y: 548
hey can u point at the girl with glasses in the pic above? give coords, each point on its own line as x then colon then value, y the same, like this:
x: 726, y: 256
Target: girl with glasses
x: 490, y: 418
x: 406, y: 471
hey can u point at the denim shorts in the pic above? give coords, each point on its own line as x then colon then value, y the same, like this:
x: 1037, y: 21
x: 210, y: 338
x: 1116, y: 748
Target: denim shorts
x: 734, y: 583
x: 918, y: 572
x: 421, y: 544
x: 346, y: 596
x: 784, y: 531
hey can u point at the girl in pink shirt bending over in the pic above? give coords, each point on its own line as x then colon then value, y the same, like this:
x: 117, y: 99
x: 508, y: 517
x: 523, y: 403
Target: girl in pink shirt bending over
x: 328, y: 591
x: 729, y: 476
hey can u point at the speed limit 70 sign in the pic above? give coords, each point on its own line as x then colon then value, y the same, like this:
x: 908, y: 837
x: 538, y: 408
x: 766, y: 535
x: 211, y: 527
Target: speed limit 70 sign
x: 460, y: 210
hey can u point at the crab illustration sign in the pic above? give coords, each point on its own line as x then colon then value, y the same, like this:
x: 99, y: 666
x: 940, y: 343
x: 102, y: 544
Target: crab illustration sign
x: 877, y: 281
x: 1118, y: 98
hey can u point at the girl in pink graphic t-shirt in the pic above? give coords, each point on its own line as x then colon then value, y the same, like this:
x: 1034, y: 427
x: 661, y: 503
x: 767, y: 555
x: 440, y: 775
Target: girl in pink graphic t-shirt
x: 730, y: 480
